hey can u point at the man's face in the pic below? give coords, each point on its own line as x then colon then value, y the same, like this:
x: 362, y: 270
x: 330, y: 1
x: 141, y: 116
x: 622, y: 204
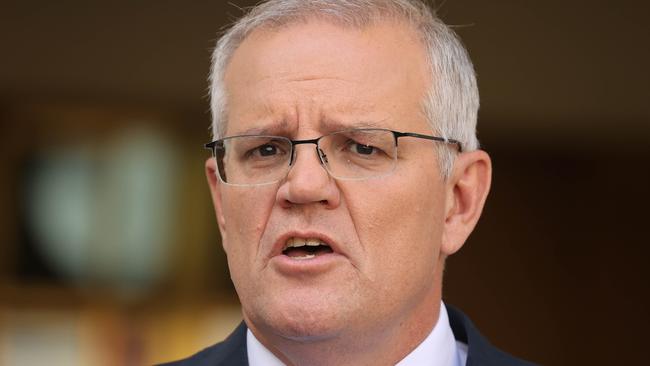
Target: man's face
x: 302, y: 81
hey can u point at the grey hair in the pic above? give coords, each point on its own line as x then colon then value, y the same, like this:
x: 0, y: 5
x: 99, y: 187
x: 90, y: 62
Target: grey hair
x: 452, y: 101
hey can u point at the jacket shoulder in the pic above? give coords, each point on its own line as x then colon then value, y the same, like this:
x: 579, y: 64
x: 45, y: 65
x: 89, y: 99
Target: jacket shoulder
x: 231, y: 352
x: 480, y: 352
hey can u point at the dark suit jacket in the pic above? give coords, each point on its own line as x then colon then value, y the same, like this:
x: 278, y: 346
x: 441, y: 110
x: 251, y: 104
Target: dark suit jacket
x: 232, y: 351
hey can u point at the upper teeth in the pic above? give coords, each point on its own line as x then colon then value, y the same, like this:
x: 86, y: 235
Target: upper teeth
x: 301, y: 242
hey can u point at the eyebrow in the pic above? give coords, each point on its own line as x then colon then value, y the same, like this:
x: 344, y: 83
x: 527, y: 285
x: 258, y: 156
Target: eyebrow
x: 276, y: 129
x: 332, y: 125
x: 327, y: 125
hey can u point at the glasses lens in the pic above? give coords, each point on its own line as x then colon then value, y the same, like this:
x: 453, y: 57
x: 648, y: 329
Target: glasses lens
x: 359, y: 154
x: 251, y: 160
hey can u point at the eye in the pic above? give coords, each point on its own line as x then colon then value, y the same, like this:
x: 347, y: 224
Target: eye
x: 266, y: 150
x: 353, y: 146
x: 363, y: 149
x: 359, y: 144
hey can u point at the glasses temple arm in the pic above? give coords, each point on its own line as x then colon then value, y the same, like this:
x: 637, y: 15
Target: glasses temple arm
x: 428, y: 137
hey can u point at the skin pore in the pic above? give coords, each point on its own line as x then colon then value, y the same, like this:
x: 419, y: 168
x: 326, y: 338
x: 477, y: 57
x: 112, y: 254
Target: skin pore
x: 377, y: 296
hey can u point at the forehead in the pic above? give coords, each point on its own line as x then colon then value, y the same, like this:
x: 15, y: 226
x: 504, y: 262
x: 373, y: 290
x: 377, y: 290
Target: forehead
x: 320, y: 71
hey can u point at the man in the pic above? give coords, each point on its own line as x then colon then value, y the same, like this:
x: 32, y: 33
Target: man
x: 345, y: 172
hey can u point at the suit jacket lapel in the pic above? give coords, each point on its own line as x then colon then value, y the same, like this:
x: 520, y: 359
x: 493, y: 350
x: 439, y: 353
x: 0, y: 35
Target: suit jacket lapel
x: 234, y: 348
x: 479, y: 350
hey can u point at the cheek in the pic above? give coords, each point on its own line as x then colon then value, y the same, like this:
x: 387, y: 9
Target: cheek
x: 403, y: 229
x: 246, y: 215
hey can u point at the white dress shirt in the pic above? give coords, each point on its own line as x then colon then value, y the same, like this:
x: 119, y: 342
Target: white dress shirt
x: 439, y: 348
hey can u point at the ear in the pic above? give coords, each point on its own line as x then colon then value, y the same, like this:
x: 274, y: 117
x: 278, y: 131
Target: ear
x: 215, y: 190
x: 466, y: 191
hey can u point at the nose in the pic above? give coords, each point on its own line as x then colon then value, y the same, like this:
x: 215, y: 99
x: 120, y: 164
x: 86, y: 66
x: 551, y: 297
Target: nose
x: 307, y: 181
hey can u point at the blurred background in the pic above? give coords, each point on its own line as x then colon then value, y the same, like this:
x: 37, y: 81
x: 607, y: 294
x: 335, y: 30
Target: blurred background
x: 109, y: 252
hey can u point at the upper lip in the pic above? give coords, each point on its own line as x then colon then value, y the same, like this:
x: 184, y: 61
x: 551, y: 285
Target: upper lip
x: 280, y: 243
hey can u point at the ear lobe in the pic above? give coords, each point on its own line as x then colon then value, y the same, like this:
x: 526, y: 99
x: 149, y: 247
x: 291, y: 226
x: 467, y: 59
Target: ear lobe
x: 215, y: 191
x: 466, y: 191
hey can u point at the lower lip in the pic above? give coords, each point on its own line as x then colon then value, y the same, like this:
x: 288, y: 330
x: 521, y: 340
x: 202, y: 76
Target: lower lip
x: 316, y: 265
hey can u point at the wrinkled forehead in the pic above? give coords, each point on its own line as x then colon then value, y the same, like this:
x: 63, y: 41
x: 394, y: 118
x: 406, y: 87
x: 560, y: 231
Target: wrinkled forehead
x: 342, y: 69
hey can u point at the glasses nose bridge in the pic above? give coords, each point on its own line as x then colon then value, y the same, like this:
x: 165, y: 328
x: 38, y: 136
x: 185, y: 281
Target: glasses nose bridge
x: 321, y: 155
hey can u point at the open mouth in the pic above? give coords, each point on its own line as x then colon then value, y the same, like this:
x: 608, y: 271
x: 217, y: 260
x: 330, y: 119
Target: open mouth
x: 305, y: 248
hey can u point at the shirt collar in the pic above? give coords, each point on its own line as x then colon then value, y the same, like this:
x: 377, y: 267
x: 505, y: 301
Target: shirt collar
x: 258, y: 355
x: 439, y: 348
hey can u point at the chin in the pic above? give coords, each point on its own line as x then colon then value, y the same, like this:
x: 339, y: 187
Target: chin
x: 307, y: 328
x: 302, y: 319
